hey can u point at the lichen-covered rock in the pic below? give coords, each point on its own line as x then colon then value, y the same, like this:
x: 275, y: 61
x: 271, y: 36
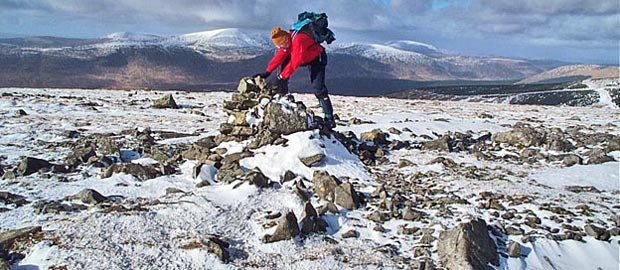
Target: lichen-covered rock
x: 325, y: 185
x: 165, y: 102
x: 312, y: 160
x: 376, y: 136
x: 467, y: 247
x: 520, y: 137
x: 284, y: 120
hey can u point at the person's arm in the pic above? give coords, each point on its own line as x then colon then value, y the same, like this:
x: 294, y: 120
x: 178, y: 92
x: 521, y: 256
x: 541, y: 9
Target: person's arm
x: 300, y: 42
x: 277, y: 60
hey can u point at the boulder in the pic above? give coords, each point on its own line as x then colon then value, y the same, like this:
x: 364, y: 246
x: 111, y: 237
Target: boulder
x: 30, y: 165
x: 141, y: 172
x: 43, y: 207
x: 571, y: 159
x: 598, y: 156
x: 310, y: 220
x: 257, y: 178
x: 312, y: 160
x: 284, y: 120
x: 467, y: 247
x: 165, y: 102
x: 520, y: 137
x: 79, y: 156
x: 89, y: 196
x: 441, y: 144
x: 325, y: 185
x: 597, y: 232
x: 376, y: 136
x: 8, y: 238
x: 10, y: 198
x: 514, y: 249
x: 346, y: 196
x: 287, y: 176
x: 287, y: 229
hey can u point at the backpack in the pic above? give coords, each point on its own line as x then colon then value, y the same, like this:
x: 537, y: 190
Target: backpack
x: 318, y: 25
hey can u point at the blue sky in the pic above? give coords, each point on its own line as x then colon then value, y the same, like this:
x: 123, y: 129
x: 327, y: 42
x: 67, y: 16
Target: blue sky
x: 585, y: 31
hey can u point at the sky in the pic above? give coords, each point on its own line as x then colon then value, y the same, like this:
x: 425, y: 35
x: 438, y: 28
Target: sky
x: 584, y: 31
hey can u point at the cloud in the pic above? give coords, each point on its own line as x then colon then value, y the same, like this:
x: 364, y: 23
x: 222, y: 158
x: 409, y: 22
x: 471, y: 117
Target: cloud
x: 581, y: 23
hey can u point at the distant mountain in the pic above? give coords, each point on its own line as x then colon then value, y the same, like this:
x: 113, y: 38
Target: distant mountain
x: 574, y: 71
x: 217, y: 59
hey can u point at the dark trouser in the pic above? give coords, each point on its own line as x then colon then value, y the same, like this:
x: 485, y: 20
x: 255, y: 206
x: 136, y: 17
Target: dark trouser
x: 317, y: 78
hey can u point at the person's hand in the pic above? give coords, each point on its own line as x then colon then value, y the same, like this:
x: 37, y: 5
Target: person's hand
x: 278, y: 84
x: 263, y: 75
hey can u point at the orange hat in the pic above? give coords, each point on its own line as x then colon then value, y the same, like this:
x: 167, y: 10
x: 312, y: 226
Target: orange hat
x: 279, y: 36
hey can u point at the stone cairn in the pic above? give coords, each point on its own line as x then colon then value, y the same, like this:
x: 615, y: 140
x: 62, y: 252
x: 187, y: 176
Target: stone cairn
x: 259, y: 112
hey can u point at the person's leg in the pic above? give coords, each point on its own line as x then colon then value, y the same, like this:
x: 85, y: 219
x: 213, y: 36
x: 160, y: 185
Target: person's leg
x: 317, y: 78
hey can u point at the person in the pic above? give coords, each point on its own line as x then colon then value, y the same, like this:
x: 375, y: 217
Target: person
x: 295, y: 49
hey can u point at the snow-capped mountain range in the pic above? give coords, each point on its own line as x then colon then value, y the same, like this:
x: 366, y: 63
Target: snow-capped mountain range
x: 218, y: 58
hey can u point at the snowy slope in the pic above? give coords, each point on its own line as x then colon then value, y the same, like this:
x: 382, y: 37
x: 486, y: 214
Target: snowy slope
x: 157, y: 236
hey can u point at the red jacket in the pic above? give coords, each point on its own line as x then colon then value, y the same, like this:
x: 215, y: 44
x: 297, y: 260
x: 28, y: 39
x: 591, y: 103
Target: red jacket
x: 303, y: 50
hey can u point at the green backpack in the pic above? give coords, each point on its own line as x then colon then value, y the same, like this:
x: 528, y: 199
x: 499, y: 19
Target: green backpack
x: 319, y: 24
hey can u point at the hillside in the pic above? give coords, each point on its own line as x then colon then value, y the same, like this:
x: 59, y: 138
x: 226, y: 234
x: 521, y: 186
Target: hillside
x: 215, y: 59
x: 587, y: 71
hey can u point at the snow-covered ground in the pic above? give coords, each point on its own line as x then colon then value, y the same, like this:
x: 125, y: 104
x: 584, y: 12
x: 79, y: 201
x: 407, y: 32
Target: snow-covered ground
x: 155, y: 236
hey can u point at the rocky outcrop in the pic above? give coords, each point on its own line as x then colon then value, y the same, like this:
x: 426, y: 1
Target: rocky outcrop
x: 88, y: 196
x: 141, y: 172
x: 467, y: 247
x: 520, y: 137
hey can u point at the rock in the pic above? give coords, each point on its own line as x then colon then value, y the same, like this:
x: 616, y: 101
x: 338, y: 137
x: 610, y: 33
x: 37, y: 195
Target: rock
x: 427, y: 239
x: 173, y: 190
x: 30, y: 165
x: 378, y: 191
x: 328, y: 207
x: 88, y: 196
x: 598, y: 156
x: 404, y: 163
x: 141, y: 172
x: 4, y: 264
x: 10, y: 198
x: 557, y: 142
x: 512, y: 230
x: 72, y: 134
x: 247, y: 85
x: 230, y: 172
x: 257, y: 178
x: 218, y: 247
x: 571, y: 159
x: 21, y: 112
x: 379, y: 216
x: 310, y: 220
x: 165, y: 102
x: 346, y: 196
x: 287, y: 229
x: 79, y: 155
x: 467, y: 246
x: 8, y: 238
x: 379, y: 228
x: 514, y: 249
x: 312, y: 160
x: 350, y: 234
x: 50, y: 207
x: 580, y: 189
x: 282, y: 120
x: 403, y: 229
x: 376, y: 136
x: 597, y: 232
x: 484, y: 115
x: 412, y: 214
x: 325, y: 185
x: 264, y: 137
x: 441, y: 144
x: 394, y: 131
x: 520, y: 137
x: 287, y: 176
